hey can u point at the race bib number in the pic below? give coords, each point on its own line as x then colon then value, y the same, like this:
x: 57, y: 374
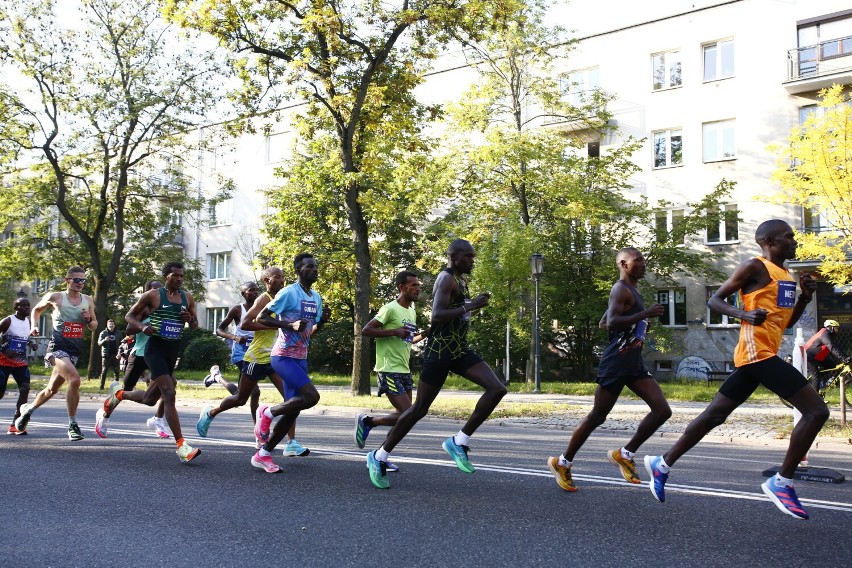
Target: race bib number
x: 72, y: 330
x: 17, y: 345
x: 411, y: 329
x: 309, y: 310
x: 170, y: 329
x: 786, y: 294
x: 641, y: 330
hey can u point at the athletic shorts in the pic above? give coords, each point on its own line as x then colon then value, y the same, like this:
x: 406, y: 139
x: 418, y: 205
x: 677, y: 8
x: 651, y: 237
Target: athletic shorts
x: 616, y: 384
x: 781, y: 378
x: 161, y: 356
x: 435, y: 371
x: 134, y: 370
x: 59, y: 355
x: 256, y: 371
x: 294, y: 372
x: 20, y: 374
x: 395, y: 384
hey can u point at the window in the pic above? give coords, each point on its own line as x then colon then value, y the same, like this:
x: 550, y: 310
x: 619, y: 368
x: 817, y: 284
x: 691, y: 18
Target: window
x: 668, y: 148
x: 215, y: 316
x: 577, y: 86
x: 719, y: 60
x: 666, y: 224
x: 717, y: 319
x: 719, y: 140
x: 221, y: 212
x: 811, y: 220
x: 665, y: 70
x: 218, y: 265
x: 675, y: 303
x: 723, y: 225
x: 663, y: 366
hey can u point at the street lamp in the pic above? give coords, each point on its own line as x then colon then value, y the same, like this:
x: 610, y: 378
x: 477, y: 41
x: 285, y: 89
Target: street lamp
x: 537, y: 268
x: 21, y: 293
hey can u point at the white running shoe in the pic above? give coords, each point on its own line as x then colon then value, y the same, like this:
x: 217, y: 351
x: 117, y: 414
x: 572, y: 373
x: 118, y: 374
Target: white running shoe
x: 158, y: 425
x: 101, y: 423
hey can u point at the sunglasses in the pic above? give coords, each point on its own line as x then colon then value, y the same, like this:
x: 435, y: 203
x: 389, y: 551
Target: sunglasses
x: 77, y: 280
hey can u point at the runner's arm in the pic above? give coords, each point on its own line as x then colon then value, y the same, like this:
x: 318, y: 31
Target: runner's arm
x: 48, y: 300
x: 233, y: 316
x: 249, y: 323
x: 746, y: 273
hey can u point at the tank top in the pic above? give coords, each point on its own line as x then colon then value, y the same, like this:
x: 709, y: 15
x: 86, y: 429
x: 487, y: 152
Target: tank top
x: 14, y: 353
x: 238, y: 350
x: 141, y: 340
x: 448, y: 340
x: 260, y: 349
x: 68, y: 327
x: 759, y: 342
x: 623, y: 354
x: 166, y: 318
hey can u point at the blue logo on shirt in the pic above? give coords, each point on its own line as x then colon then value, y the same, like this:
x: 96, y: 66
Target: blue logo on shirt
x: 786, y: 294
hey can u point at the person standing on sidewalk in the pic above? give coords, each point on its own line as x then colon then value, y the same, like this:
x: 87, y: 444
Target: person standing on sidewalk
x: 14, y: 340
x: 446, y: 350
x: 395, y: 330
x: 72, y: 313
x: 770, y: 306
x: 109, y: 351
x: 621, y: 365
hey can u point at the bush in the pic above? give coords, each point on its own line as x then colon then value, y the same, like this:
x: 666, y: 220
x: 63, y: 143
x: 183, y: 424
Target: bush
x: 203, y: 352
x: 331, y: 348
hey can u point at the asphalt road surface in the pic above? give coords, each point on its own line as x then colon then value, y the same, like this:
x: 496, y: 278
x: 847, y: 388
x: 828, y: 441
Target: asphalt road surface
x: 127, y: 501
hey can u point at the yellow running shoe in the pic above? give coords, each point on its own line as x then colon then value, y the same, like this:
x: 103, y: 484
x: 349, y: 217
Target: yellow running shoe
x: 627, y: 467
x: 187, y: 453
x: 562, y: 474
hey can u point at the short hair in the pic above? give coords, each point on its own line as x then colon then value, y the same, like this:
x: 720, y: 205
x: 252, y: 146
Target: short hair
x: 626, y: 252
x: 268, y: 271
x: 458, y: 245
x: 20, y: 300
x: 402, y: 277
x: 167, y: 269
x: 249, y: 284
x: 149, y: 285
x: 768, y: 228
x: 75, y: 270
x: 297, y: 262
x: 110, y: 320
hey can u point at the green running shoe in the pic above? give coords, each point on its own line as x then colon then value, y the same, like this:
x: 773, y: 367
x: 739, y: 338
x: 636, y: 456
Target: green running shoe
x: 378, y: 473
x: 459, y: 455
x: 74, y: 433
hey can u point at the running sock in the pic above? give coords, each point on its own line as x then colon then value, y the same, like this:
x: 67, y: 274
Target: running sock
x: 564, y: 462
x: 461, y: 439
x: 382, y: 455
x: 783, y: 481
x: 663, y: 466
x: 369, y: 421
x: 72, y: 420
x: 627, y: 455
x: 179, y: 442
x: 264, y: 452
x: 268, y: 413
x: 119, y: 394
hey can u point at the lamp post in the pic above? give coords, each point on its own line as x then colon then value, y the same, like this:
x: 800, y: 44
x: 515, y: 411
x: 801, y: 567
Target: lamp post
x: 537, y: 268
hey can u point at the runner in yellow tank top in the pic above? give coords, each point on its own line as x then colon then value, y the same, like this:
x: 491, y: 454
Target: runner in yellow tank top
x: 770, y: 306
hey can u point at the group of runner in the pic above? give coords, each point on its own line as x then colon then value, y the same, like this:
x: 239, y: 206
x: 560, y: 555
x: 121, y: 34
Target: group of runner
x: 275, y: 328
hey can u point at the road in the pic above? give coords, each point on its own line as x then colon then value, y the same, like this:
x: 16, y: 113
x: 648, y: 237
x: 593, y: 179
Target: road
x: 126, y: 500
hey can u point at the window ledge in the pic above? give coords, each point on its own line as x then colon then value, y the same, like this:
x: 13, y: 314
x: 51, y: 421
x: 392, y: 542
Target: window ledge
x: 669, y: 88
x: 721, y: 243
x: 716, y: 160
x: 723, y: 326
x: 708, y: 81
x: 669, y: 167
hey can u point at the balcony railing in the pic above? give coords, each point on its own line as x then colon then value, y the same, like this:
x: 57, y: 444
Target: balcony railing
x: 821, y: 59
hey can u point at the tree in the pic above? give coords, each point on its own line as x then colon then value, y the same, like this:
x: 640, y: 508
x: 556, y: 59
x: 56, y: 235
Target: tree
x: 815, y: 172
x: 356, y: 64
x: 93, y: 143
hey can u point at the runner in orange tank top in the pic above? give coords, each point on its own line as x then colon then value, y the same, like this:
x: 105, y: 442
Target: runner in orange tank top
x: 770, y: 306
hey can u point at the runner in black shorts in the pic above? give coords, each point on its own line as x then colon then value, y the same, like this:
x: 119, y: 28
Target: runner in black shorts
x: 446, y: 350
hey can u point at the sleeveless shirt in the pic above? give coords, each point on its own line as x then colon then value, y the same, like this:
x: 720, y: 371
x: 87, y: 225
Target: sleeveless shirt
x: 448, y: 340
x: 260, y: 349
x: 14, y: 353
x: 623, y: 355
x: 166, y: 318
x: 68, y: 327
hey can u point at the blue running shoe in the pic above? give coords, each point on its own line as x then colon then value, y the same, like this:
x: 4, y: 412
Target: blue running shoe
x: 784, y: 497
x: 361, y: 430
x: 294, y: 449
x: 204, y: 420
x: 459, y: 455
x: 658, y: 478
x: 378, y: 472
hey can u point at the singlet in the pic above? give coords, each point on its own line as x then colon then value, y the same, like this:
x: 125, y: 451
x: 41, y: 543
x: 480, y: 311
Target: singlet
x: 448, y: 340
x: 759, y: 342
x: 14, y: 353
x: 68, y: 327
x: 238, y: 350
x: 141, y: 340
x: 260, y: 349
x: 623, y: 355
x: 166, y: 318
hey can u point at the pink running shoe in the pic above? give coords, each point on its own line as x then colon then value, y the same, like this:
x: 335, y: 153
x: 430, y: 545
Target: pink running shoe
x: 265, y: 463
x: 262, y: 423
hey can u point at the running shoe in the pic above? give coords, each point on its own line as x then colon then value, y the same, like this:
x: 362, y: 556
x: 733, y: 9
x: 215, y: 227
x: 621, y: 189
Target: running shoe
x: 658, y: 478
x: 74, y: 433
x: 262, y: 423
x: 562, y: 474
x: 625, y: 465
x: 24, y: 419
x: 784, y: 497
x: 295, y: 449
x: 204, y: 420
x: 101, y: 423
x: 459, y: 455
x: 210, y: 379
x: 158, y: 425
x: 12, y: 431
x: 390, y: 467
x: 187, y: 453
x: 361, y: 430
x: 265, y: 463
x: 112, y: 400
x: 378, y: 471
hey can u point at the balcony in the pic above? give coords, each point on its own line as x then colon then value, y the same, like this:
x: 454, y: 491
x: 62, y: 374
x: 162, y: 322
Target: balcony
x: 819, y: 66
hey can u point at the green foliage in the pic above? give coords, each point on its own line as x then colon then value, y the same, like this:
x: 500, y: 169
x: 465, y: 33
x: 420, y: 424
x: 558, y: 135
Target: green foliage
x: 204, y: 351
x: 331, y: 348
x: 815, y: 172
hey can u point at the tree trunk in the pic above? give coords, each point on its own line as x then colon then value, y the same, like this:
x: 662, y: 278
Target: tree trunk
x: 363, y: 269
